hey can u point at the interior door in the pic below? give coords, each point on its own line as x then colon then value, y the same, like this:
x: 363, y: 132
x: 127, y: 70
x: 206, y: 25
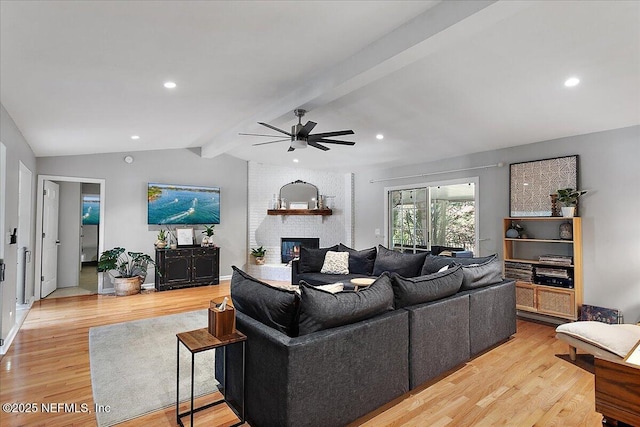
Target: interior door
x: 50, y: 242
x: 24, y: 234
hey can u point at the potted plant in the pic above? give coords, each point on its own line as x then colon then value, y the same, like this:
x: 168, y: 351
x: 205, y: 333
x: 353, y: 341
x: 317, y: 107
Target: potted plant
x: 207, y: 240
x: 161, y: 241
x: 131, y: 268
x: 258, y: 255
x: 569, y: 198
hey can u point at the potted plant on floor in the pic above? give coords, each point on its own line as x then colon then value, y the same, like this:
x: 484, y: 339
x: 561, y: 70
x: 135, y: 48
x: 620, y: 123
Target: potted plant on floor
x: 569, y: 198
x: 131, y: 268
x: 258, y: 255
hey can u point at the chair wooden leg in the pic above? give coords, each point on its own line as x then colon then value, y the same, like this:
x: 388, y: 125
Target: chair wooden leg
x: 572, y: 353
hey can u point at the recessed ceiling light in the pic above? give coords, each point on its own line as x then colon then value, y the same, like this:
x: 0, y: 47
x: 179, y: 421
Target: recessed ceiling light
x: 379, y: 136
x: 169, y: 85
x: 571, y: 82
x: 135, y: 137
x: 295, y: 160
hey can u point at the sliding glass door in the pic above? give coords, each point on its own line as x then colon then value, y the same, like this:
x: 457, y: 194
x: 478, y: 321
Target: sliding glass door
x: 443, y: 216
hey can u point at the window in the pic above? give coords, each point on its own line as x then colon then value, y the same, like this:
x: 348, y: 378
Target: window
x: 437, y: 214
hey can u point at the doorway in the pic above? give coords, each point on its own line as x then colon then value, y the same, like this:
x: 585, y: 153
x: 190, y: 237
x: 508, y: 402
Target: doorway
x: 432, y: 216
x: 76, y: 267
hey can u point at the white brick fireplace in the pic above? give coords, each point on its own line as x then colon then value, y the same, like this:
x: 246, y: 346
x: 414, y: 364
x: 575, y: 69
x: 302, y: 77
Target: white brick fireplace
x: 265, y: 230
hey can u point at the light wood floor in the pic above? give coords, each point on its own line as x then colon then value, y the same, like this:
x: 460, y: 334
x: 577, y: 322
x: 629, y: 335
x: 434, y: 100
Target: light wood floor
x: 523, y: 382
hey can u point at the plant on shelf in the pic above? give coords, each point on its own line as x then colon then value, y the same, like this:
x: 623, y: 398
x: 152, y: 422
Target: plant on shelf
x: 130, y: 268
x: 258, y: 254
x: 569, y: 198
x: 207, y: 240
x: 161, y: 241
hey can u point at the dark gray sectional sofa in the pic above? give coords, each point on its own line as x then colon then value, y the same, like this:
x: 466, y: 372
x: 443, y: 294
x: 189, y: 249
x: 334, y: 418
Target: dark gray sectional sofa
x: 329, y: 375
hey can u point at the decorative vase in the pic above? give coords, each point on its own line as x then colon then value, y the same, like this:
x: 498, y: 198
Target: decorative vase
x: 173, y: 246
x: 205, y: 241
x: 566, y: 231
x: 161, y: 244
x: 126, y: 286
x: 512, y: 233
x: 259, y: 260
x: 568, y: 211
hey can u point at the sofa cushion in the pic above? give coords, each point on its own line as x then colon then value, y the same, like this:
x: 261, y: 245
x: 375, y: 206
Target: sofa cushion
x: 407, y: 265
x: 274, y: 307
x: 335, y: 263
x: 316, y: 279
x: 418, y: 290
x: 311, y: 260
x: 434, y: 263
x: 360, y: 262
x: 323, y: 310
x: 481, y: 274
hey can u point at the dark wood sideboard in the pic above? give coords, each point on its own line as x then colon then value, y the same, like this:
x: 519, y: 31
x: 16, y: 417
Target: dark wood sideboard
x: 187, y: 267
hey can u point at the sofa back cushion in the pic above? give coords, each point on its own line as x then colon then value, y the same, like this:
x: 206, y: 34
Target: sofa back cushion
x: 433, y: 263
x: 406, y: 265
x: 274, y: 307
x: 480, y: 274
x: 322, y: 310
x: 312, y: 260
x: 418, y: 290
x: 360, y: 262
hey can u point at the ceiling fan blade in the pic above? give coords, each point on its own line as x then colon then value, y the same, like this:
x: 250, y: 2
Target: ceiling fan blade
x: 291, y: 149
x: 334, y: 141
x: 306, y: 129
x: 259, y: 134
x: 274, y: 128
x: 271, y: 142
x: 315, y: 144
x: 318, y: 136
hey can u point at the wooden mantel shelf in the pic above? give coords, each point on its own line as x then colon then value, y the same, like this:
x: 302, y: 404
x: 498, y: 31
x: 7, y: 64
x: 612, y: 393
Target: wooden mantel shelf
x: 323, y: 212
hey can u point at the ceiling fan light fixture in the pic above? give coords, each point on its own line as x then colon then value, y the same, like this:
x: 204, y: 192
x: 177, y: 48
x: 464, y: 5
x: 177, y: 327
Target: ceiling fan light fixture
x: 298, y: 143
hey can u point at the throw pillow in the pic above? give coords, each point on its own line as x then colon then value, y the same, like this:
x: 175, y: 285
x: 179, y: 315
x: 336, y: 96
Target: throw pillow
x: 482, y: 274
x: 311, y: 260
x: 335, y: 263
x: 418, y: 290
x: 360, y: 262
x: 407, y: 265
x: 276, y: 308
x: 322, y: 310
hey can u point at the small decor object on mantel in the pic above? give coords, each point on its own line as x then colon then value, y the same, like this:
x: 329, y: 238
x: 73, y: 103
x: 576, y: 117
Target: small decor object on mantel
x: 569, y: 198
x: 258, y: 255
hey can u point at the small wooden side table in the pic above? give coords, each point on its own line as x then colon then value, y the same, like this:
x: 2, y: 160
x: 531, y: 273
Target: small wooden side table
x: 361, y: 282
x: 617, y: 391
x: 196, y: 342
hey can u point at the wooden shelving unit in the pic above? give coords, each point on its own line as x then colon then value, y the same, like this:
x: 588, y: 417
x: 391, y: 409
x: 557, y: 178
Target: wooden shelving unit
x: 281, y: 212
x: 538, y: 298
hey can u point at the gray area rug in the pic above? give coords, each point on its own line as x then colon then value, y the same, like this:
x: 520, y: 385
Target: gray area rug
x: 133, y: 366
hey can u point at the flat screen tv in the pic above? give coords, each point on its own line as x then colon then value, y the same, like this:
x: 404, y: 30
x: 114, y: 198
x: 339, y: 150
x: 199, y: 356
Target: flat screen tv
x: 182, y: 204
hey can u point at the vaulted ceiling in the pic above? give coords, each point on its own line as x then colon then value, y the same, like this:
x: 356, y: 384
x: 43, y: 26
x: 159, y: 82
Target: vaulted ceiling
x: 438, y: 79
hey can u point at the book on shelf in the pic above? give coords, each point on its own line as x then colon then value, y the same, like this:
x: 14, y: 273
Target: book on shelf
x: 556, y: 259
x: 518, y: 271
x: 552, y: 272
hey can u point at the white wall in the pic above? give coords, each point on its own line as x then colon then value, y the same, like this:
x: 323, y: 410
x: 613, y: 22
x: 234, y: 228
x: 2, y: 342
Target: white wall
x: 18, y: 150
x: 265, y: 230
x: 611, y: 230
x: 125, y: 205
x: 69, y: 234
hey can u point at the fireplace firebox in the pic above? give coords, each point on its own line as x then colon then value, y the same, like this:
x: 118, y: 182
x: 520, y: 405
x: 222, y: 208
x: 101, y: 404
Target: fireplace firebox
x: 290, y: 246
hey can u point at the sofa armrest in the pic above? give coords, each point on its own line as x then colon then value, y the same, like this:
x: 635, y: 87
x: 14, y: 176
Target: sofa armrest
x: 305, y: 381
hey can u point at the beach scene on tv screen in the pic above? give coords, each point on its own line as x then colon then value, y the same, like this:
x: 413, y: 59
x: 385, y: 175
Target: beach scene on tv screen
x: 183, y: 204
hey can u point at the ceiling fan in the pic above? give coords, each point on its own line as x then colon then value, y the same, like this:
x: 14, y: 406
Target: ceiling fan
x: 300, y: 136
